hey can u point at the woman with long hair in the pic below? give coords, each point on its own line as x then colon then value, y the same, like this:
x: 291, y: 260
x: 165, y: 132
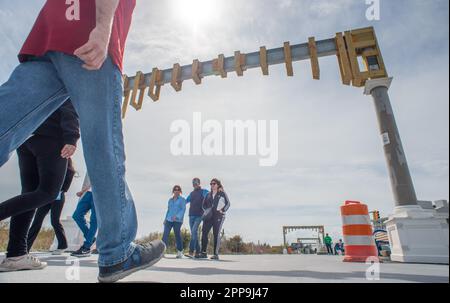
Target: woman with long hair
x: 215, y: 205
x: 174, y: 219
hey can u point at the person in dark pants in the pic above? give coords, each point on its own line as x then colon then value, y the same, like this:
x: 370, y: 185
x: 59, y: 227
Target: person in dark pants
x: 196, y: 199
x: 215, y: 205
x: 43, y: 165
x: 174, y: 219
x: 329, y: 244
x: 56, y: 208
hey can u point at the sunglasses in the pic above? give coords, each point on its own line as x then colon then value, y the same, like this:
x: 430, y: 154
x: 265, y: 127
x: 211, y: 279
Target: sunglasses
x: 212, y: 184
x: 176, y: 189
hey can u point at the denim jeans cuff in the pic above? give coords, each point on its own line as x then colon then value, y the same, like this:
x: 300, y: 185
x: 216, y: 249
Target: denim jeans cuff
x: 112, y: 262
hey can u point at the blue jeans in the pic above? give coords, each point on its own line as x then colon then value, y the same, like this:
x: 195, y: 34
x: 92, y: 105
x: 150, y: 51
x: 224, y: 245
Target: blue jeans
x: 194, y: 223
x: 34, y: 91
x: 177, y: 230
x: 85, y: 205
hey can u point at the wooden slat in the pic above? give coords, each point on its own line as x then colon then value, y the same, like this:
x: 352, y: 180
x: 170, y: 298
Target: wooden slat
x: 357, y: 80
x: 155, y: 84
x: 344, y: 63
x: 196, y: 71
x: 263, y: 60
x: 221, y: 66
x: 137, y: 84
x: 239, y: 62
x: 363, y: 30
x: 126, y: 100
x: 176, y: 83
x: 314, y: 59
x: 364, y: 44
x: 288, y: 59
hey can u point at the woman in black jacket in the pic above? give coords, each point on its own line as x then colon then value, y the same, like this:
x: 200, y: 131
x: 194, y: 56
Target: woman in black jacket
x: 55, y: 208
x: 43, y: 165
x: 216, y: 204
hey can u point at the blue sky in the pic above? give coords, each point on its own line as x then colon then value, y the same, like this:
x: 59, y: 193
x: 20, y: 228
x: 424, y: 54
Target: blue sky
x: 330, y: 149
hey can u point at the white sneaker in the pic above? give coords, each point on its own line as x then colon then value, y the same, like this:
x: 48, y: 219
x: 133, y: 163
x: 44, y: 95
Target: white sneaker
x: 26, y: 262
x: 180, y: 255
x: 58, y: 252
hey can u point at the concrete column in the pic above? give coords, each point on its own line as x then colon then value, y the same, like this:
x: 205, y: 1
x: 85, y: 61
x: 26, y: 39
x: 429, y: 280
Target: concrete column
x: 415, y: 235
x: 401, y: 181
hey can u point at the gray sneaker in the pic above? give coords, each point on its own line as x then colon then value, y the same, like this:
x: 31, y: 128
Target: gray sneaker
x: 26, y: 262
x: 143, y: 257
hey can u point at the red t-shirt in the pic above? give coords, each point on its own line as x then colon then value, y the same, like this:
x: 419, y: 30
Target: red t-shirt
x: 66, y: 27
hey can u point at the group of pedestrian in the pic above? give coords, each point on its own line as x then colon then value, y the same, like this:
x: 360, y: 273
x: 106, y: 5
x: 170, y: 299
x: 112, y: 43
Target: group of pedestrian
x: 207, y: 209
x: 338, y: 246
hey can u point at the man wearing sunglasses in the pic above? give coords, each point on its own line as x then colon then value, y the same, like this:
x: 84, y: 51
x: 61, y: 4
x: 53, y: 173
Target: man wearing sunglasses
x: 195, y: 198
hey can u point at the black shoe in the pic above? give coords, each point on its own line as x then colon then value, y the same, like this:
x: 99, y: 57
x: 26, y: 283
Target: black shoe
x: 201, y: 256
x: 82, y: 252
x: 215, y: 257
x: 143, y: 256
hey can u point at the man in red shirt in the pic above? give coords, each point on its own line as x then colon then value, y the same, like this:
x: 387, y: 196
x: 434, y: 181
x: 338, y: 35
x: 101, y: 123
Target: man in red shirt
x: 75, y: 50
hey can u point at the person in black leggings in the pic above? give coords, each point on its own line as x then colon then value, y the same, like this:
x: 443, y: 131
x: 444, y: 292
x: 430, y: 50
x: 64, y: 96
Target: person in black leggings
x: 43, y: 165
x: 56, y: 208
x: 216, y: 204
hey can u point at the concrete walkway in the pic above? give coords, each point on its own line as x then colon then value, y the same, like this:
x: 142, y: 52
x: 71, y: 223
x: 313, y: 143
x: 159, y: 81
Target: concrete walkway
x: 236, y: 269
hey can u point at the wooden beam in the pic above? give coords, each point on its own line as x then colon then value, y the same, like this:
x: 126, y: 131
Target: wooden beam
x: 314, y: 59
x: 126, y: 100
x: 357, y: 80
x: 137, y: 85
x: 155, y: 84
x: 219, y: 66
x: 239, y: 62
x: 196, y: 71
x: 176, y: 83
x: 263, y: 60
x: 344, y: 63
x: 288, y: 59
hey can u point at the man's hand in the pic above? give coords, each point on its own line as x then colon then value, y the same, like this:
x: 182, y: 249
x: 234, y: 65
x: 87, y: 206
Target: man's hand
x: 95, y: 51
x: 68, y: 151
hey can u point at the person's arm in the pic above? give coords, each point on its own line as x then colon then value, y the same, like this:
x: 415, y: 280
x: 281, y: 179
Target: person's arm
x: 95, y: 51
x: 182, y: 210
x: 227, y: 202
x: 205, y: 193
x: 70, y: 173
x: 70, y: 125
x: 86, y: 186
x: 188, y: 199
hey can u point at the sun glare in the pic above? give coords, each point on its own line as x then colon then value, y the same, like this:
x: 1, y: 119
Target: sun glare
x: 196, y: 12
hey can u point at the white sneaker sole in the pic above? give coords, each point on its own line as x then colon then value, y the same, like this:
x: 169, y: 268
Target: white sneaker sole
x: 43, y: 265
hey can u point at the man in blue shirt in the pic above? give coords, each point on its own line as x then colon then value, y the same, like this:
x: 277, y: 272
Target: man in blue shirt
x: 174, y: 219
x: 195, y: 215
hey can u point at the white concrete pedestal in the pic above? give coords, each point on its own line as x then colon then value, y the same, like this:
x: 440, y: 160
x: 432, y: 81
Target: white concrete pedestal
x: 417, y: 236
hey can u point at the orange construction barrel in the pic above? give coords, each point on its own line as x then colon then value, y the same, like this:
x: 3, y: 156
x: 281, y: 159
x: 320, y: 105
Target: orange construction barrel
x: 358, y: 234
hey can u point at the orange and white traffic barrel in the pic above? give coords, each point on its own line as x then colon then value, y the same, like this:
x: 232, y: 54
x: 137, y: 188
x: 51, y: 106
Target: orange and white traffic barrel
x: 358, y: 235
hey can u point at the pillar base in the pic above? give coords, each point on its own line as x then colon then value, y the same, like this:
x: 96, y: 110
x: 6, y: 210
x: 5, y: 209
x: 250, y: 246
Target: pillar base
x: 417, y: 236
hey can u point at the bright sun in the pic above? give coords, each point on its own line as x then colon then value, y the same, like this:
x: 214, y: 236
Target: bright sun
x: 196, y: 12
